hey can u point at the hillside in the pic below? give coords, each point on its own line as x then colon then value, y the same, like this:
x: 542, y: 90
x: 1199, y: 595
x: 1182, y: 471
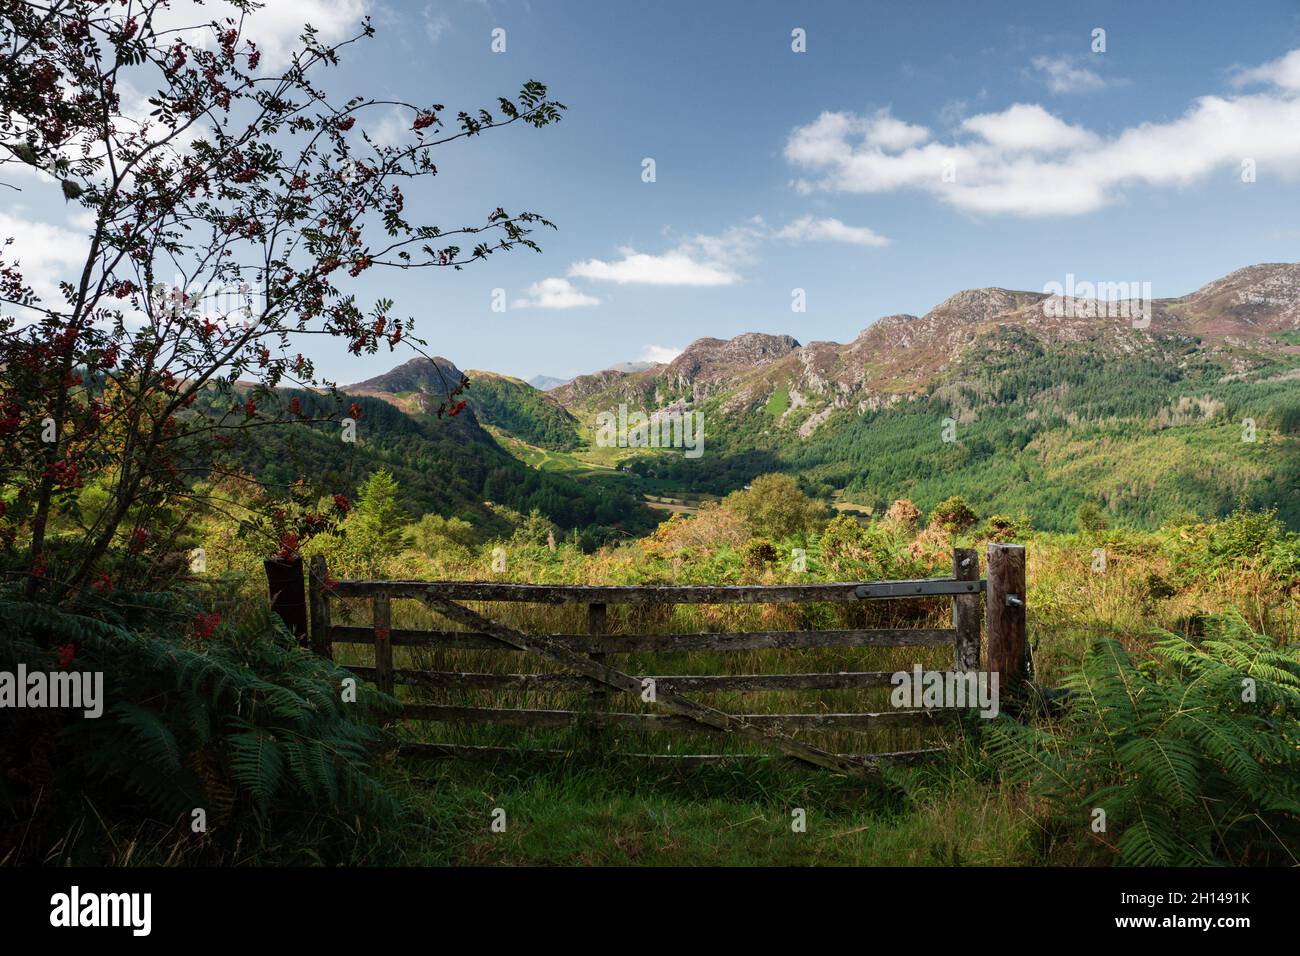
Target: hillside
x: 1049, y: 411
x: 520, y: 409
x: 450, y: 466
x: 420, y: 385
x: 1018, y: 401
x: 900, y: 355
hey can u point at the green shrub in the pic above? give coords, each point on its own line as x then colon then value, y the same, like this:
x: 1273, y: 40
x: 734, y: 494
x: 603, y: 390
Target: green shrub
x: 1245, y: 537
x: 535, y: 530
x: 1194, y: 755
x: 774, y: 506
x: 856, y: 553
x: 953, y: 515
x: 1001, y: 527
x: 242, y: 723
x: 1089, y: 519
x: 433, y: 535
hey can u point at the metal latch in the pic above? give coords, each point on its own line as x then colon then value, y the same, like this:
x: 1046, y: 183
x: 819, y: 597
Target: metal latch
x: 898, y: 589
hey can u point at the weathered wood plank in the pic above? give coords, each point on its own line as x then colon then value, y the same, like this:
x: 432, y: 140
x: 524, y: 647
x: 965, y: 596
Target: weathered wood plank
x: 682, y: 683
x: 1008, y: 650
x: 597, y: 625
x: 930, y: 587
x: 318, y: 575
x: 665, y: 699
x: 966, y: 611
x: 638, y: 643
x: 382, y: 629
x: 431, y: 751
x: 648, y: 593
x: 781, y: 723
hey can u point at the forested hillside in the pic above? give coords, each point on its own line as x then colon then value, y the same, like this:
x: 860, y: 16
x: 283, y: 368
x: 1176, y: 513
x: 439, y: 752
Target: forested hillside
x: 522, y: 410
x: 449, y: 466
x: 1018, y: 403
x: 988, y: 395
x: 1039, y: 431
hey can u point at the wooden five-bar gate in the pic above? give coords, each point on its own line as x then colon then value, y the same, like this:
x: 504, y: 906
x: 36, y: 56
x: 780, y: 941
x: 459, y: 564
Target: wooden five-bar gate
x: 584, y: 657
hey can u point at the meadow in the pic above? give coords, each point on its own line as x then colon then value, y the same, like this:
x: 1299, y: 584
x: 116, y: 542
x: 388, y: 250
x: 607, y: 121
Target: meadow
x: 968, y: 807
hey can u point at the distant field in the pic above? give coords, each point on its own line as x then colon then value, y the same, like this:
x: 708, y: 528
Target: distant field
x: 597, y: 463
x: 850, y: 507
x: 678, y: 503
x: 582, y: 463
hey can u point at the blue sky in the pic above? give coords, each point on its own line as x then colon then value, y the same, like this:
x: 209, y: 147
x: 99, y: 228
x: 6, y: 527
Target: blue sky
x: 823, y: 170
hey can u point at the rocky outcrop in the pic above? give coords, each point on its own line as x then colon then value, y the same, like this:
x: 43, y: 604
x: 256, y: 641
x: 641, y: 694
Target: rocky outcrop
x: 901, y: 356
x: 435, y: 376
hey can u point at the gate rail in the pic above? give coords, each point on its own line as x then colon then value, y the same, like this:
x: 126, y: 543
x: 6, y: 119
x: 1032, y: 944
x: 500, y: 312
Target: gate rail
x: 584, y: 655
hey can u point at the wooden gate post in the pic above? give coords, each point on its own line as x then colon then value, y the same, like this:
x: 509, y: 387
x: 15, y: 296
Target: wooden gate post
x: 1008, y: 649
x: 596, y: 626
x: 383, y: 624
x: 317, y: 576
x: 288, y: 598
x: 966, y: 611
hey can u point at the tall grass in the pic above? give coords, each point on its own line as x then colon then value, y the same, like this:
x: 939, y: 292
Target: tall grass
x: 593, y: 806
x: 1147, y: 579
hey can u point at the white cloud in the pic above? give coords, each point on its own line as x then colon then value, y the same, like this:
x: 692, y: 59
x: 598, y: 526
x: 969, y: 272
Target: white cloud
x: 1026, y: 161
x: 670, y: 268
x: 436, y: 25
x: 554, y: 293
x: 45, y: 254
x: 275, y: 27
x: 659, y: 353
x: 1283, y: 72
x: 698, y: 261
x: 1063, y: 75
x: 82, y: 219
x: 704, y: 260
x: 392, y: 129
x: 1027, y: 126
x: 832, y: 230
x: 888, y: 132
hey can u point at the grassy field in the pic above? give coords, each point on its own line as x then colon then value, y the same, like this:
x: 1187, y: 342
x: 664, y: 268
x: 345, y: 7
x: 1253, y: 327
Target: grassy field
x: 1105, y: 607
x: 591, y: 807
x: 843, y: 506
x: 586, y: 462
x: 604, y: 464
x: 589, y: 810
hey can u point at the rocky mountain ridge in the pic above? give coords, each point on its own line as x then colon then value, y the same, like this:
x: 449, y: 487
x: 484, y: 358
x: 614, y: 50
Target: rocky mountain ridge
x: 1248, y: 311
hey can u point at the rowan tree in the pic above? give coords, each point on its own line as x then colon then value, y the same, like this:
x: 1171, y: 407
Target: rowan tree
x: 230, y: 210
